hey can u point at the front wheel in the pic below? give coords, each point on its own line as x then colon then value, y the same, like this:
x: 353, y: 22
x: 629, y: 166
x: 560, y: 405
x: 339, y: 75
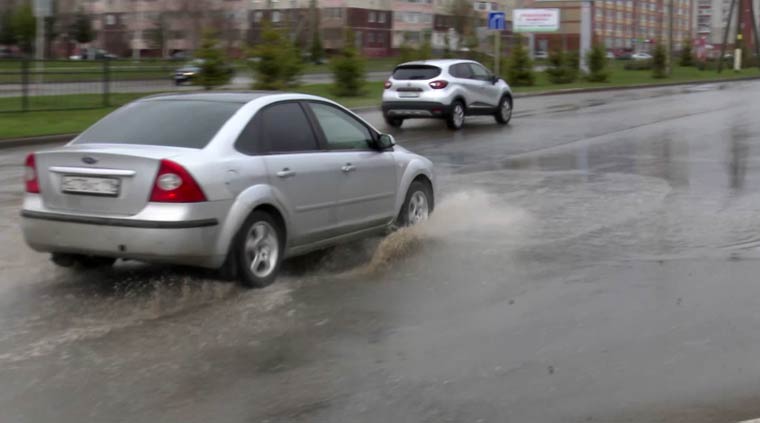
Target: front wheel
x: 455, y: 119
x: 259, y: 250
x: 504, y: 112
x: 417, y: 206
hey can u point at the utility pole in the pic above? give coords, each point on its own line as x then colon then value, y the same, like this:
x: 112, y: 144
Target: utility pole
x: 739, y: 36
x: 671, y: 17
x: 586, y: 33
x: 725, y: 36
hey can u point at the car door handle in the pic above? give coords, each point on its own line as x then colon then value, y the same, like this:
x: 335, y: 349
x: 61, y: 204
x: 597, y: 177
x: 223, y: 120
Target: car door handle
x: 348, y: 167
x: 286, y: 173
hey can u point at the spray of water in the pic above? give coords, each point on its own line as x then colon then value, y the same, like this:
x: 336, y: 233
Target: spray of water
x: 459, y: 216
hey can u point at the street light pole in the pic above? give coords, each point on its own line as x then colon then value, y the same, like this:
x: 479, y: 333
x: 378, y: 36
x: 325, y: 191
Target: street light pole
x: 585, y: 33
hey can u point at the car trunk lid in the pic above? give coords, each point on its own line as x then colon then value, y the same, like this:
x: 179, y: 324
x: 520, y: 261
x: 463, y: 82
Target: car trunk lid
x: 113, y: 179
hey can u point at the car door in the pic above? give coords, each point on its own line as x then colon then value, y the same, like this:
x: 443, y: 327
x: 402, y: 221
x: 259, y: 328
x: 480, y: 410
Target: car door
x: 303, y: 177
x: 471, y: 86
x: 488, y: 95
x: 367, y: 177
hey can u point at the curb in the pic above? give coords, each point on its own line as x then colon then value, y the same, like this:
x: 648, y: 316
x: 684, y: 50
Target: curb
x: 602, y: 89
x: 47, y: 139
x: 632, y: 87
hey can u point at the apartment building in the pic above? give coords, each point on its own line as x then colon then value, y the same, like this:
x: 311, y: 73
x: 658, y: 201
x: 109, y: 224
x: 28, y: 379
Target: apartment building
x: 370, y: 20
x: 712, y: 19
x: 161, y: 27
x: 619, y: 24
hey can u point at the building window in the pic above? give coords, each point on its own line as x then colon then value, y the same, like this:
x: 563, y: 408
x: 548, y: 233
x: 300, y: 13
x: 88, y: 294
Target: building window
x: 276, y: 16
x: 370, y: 38
x: 372, y: 17
x: 257, y: 16
x: 381, y: 17
x: 333, y: 12
x: 110, y: 20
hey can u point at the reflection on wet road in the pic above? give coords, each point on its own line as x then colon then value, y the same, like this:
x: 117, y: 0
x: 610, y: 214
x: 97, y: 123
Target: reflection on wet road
x: 596, y: 260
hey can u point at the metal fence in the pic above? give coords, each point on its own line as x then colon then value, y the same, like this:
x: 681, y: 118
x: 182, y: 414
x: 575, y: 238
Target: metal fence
x: 29, y: 85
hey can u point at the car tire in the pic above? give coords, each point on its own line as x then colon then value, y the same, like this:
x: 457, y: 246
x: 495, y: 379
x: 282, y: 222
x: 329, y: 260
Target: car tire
x: 394, y: 122
x: 94, y: 262
x: 63, y: 260
x: 504, y: 112
x: 455, y: 118
x: 259, y: 249
x: 417, y: 206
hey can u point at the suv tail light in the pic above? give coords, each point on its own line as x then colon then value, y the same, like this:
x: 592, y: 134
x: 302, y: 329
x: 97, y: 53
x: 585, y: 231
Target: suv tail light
x: 30, y: 175
x: 437, y: 85
x: 174, y: 184
x: 388, y: 84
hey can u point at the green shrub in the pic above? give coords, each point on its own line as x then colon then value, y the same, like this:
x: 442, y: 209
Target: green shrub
x: 596, y: 59
x: 659, y: 62
x: 686, y: 57
x: 214, y: 71
x: 519, y: 69
x: 638, y: 65
x: 562, y: 67
x: 277, y: 62
x: 348, y: 70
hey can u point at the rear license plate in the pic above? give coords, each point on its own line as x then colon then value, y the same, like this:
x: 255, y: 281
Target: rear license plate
x: 408, y: 94
x: 90, y: 186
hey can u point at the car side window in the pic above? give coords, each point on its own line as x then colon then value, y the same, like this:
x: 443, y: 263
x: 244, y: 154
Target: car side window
x: 479, y: 72
x: 248, y: 142
x: 461, y: 70
x: 342, y: 131
x: 285, y: 128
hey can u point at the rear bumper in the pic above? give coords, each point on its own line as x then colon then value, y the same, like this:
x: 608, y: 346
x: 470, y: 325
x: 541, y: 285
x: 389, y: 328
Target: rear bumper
x: 191, y: 240
x: 415, y: 109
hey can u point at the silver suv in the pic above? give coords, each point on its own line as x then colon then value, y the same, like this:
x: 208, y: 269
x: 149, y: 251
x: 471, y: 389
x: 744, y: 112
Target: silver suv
x: 445, y: 89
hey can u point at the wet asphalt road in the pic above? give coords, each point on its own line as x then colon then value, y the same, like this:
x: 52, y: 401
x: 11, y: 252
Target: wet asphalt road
x: 597, y: 260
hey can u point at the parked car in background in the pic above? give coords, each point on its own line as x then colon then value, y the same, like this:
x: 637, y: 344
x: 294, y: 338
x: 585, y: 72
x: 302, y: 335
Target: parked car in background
x: 188, y: 72
x: 641, y: 56
x: 93, y: 54
x: 228, y: 181
x: 9, y: 53
x: 445, y: 89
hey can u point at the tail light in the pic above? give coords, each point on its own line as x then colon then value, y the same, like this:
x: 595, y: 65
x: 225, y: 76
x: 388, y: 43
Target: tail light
x: 30, y: 175
x: 388, y: 84
x: 438, y: 85
x: 174, y: 184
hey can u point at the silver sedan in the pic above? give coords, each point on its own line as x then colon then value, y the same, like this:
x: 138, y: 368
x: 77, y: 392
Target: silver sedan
x: 229, y: 181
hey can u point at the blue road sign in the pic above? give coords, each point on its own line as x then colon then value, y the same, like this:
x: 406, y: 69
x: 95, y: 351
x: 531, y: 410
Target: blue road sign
x: 497, y: 20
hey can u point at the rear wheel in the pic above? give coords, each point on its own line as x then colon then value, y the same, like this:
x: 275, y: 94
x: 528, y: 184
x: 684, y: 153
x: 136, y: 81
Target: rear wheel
x: 417, y: 206
x: 88, y: 262
x: 455, y: 119
x: 92, y: 262
x: 504, y: 112
x: 394, y: 122
x: 259, y: 250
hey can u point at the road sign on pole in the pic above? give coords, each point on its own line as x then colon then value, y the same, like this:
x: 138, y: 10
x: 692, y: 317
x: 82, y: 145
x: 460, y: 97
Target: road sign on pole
x: 497, y: 21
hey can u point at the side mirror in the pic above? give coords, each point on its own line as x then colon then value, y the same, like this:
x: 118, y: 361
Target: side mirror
x: 385, y: 142
x: 495, y: 79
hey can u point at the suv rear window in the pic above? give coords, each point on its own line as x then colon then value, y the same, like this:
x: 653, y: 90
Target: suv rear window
x: 171, y: 123
x: 420, y: 72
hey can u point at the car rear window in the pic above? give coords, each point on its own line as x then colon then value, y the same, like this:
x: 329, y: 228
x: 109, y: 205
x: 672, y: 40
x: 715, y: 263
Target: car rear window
x: 172, y: 123
x: 416, y: 72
